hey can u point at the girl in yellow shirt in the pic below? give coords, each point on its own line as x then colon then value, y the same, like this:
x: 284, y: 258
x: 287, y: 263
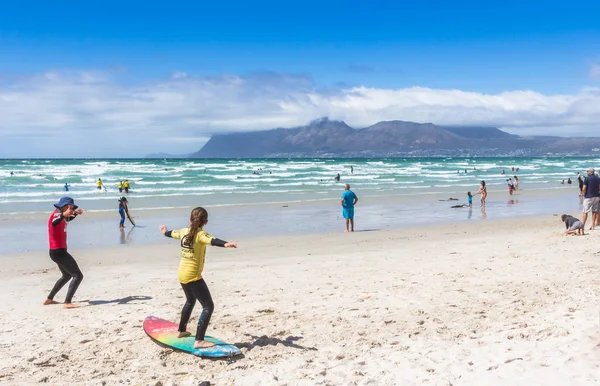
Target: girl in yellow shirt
x: 193, y: 248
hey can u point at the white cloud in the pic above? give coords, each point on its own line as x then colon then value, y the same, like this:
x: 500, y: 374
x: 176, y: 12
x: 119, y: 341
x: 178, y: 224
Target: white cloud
x: 88, y: 114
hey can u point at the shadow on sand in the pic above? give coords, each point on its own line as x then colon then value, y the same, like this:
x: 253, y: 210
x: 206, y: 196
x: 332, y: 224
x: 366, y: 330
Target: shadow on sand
x: 118, y: 301
x: 262, y: 341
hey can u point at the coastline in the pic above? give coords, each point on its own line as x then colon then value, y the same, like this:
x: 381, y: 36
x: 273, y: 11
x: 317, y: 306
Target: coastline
x: 99, y: 228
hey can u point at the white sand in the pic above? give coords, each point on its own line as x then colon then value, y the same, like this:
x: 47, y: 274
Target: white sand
x: 491, y: 302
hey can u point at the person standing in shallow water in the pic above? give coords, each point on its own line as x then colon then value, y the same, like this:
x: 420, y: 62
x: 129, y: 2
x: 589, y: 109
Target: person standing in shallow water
x: 65, y: 212
x: 483, y: 192
x: 122, y: 208
x: 349, y: 199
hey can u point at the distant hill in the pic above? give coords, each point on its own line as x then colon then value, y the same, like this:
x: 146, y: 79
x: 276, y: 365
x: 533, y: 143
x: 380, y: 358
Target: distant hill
x: 480, y: 132
x: 324, y: 138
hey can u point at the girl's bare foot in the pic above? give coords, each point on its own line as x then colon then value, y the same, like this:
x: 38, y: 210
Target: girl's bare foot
x: 49, y: 301
x: 70, y: 305
x: 203, y: 344
x: 183, y: 334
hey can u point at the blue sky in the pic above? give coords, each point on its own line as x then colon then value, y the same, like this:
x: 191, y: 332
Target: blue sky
x: 306, y: 52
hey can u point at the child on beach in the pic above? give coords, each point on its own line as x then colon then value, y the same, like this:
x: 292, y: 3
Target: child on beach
x: 574, y: 226
x: 193, y: 248
x: 511, y: 187
x: 470, y: 198
x: 65, y: 212
x: 122, y: 209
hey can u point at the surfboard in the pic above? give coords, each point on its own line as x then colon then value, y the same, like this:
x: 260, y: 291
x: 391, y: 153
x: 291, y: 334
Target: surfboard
x: 165, y: 333
x: 129, y: 217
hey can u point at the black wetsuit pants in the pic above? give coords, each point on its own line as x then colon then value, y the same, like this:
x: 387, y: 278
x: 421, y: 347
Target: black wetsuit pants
x: 196, y: 290
x: 69, y: 269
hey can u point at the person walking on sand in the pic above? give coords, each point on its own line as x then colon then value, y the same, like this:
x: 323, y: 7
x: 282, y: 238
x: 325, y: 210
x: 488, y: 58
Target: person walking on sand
x: 591, y: 198
x: 349, y: 199
x: 516, y: 184
x: 65, y: 212
x: 193, y: 248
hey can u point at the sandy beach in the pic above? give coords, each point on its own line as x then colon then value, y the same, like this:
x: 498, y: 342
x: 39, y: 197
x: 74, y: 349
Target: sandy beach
x: 507, y: 301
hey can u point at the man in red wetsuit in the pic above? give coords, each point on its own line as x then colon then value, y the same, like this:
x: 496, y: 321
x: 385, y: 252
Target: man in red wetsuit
x: 65, y: 211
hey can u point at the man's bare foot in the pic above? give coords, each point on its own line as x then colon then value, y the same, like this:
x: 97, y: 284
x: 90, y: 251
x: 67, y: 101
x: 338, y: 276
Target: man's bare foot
x: 346, y: 230
x: 49, y: 301
x: 203, y: 344
x: 71, y: 305
x: 184, y: 334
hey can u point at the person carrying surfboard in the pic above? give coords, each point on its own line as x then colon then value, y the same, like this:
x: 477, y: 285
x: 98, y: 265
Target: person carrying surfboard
x: 193, y: 249
x: 100, y: 185
x: 122, y: 209
x: 65, y: 212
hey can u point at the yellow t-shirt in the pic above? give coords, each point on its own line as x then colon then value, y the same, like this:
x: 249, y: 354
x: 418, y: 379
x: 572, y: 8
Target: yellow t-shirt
x: 192, y: 259
x: 126, y: 184
x: 99, y: 183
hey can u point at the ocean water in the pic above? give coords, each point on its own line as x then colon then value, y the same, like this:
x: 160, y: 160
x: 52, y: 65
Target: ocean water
x: 172, y: 183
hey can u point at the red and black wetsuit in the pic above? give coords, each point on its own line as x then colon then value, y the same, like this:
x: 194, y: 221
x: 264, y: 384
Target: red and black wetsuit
x: 57, y: 238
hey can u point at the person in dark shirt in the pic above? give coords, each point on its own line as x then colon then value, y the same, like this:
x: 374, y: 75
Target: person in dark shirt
x: 573, y: 225
x: 591, y: 198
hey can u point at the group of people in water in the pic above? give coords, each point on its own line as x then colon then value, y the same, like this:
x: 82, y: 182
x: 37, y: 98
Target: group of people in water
x: 123, y: 186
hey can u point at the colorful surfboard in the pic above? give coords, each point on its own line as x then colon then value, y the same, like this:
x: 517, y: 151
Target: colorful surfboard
x: 165, y: 333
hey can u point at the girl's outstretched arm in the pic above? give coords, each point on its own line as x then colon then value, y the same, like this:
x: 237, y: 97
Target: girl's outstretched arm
x: 221, y: 243
x: 164, y: 231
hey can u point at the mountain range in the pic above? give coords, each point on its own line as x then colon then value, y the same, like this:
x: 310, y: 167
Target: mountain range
x: 328, y: 138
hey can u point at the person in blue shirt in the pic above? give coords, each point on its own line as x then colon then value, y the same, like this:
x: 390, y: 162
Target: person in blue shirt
x: 66, y: 187
x: 470, y: 197
x: 349, y: 199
